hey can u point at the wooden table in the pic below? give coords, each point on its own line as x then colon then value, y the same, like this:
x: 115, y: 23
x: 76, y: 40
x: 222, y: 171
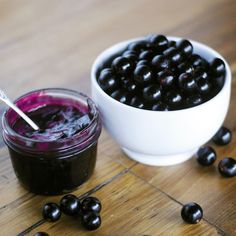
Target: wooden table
x: 53, y: 44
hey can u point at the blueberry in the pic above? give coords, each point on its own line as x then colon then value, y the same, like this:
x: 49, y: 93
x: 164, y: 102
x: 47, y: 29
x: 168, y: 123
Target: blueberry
x: 146, y: 55
x: 107, y: 80
x: 159, y: 106
x: 91, y: 220
x: 51, y: 212
x: 227, y: 167
x: 91, y: 204
x: 192, y: 213
x: 121, y: 96
x: 159, y: 63
x: 185, y: 47
x: 122, y: 65
x: 159, y: 42
x: 218, y: 67
x: 187, y: 82
x: 142, y: 74
x: 152, y: 93
x: 70, y: 205
x: 166, y: 79
x: 41, y: 234
x: 223, y: 136
x: 185, y: 67
x: 206, y: 156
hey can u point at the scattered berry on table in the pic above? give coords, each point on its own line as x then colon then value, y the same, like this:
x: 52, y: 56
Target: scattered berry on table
x: 70, y: 205
x: 227, y: 167
x: 91, y: 204
x: 41, y: 234
x: 206, y: 156
x: 223, y: 136
x: 191, y: 213
x: 91, y: 220
x: 51, y: 212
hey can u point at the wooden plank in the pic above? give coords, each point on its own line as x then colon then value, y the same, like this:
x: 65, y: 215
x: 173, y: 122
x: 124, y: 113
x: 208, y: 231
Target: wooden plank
x: 190, y: 182
x: 132, y: 207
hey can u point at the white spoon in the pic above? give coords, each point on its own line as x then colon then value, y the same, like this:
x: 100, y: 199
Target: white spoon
x: 5, y: 99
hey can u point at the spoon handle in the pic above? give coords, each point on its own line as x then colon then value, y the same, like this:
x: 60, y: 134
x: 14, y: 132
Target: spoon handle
x: 5, y: 99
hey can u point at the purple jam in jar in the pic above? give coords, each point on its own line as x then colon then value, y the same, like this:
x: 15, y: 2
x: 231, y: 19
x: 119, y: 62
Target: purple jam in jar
x: 61, y: 155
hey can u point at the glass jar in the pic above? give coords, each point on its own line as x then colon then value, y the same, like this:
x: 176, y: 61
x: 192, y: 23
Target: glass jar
x: 51, y: 166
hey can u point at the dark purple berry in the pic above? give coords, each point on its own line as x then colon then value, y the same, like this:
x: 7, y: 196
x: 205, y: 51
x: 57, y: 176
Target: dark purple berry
x: 142, y: 74
x: 142, y: 62
x: 173, y: 99
x: 91, y: 204
x: 91, y: 220
x: 121, y: 96
x: 138, y: 46
x: 159, y: 106
x: 122, y: 65
x: 201, y: 73
x: 173, y: 55
x: 107, y: 80
x: 185, y: 67
x: 159, y: 63
x: 129, y: 85
x: 146, y: 55
x: 41, y: 234
x: 158, y: 42
x: 152, y: 93
x: 172, y: 44
x: 187, y: 82
x: 218, y: 67
x: 137, y: 102
x: 132, y: 58
x: 166, y: 79
x: 203, y: 86
x: 222, y: 137
x: 51, y: 212
x: 206, y: 156
x: 185, y: 47
x: 193, y: 100
x: 192, y: 213
x: 219, y: 81
x: 227, y: 167
x: 70, y: 205
x: 128, y: 52
x: 197, y: 61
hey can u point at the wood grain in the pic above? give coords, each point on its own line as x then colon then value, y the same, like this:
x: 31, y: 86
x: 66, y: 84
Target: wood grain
x: 53, y: 44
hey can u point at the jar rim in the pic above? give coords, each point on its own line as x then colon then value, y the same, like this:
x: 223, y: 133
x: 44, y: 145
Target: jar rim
x: 92, y: 109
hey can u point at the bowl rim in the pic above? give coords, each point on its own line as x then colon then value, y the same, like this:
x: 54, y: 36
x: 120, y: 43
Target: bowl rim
x: 122, y: 44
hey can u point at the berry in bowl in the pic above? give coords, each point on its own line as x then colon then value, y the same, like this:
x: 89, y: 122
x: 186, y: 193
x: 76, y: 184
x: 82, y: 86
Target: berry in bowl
x: 160, y: 97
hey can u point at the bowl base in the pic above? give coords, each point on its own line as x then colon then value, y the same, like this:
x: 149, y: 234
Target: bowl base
x: 163, y: 160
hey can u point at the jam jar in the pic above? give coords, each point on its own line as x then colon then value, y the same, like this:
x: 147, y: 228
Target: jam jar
x: 61, y: 155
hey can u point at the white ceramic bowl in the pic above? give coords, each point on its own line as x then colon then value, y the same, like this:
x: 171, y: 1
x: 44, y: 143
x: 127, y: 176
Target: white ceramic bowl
x: 161, y: 137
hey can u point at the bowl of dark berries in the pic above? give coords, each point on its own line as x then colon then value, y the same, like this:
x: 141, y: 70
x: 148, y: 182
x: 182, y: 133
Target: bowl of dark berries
x: 161, y: 97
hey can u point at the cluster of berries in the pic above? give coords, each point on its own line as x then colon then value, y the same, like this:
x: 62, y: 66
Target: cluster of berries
x: 160, y: 74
